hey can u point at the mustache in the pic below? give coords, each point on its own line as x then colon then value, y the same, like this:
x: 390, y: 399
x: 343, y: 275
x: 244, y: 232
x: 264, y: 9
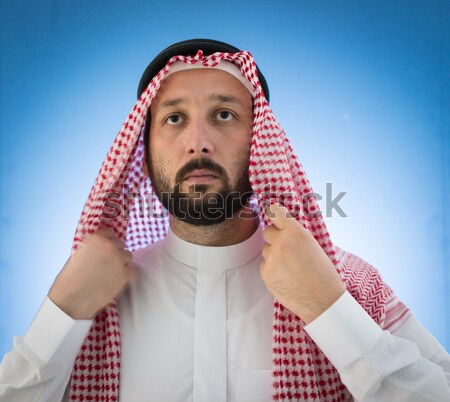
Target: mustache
x: 200, y: 163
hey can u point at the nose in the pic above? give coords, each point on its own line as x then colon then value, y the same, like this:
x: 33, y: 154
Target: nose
x: 198, y: 137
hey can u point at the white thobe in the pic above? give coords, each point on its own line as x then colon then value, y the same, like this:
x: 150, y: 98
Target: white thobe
x: 196, y: 326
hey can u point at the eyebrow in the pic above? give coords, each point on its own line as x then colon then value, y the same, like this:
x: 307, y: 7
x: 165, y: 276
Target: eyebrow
x: 171, y: 102
x: 225, y: 98
x: 215, y: 97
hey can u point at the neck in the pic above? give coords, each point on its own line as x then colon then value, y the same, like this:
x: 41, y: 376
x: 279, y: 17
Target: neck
x: 229, y: 232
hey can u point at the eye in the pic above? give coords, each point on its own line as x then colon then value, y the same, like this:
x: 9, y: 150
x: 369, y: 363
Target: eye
x: 174, y: 119
x: 224, y: 115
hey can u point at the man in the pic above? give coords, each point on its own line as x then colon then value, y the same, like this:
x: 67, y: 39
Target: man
x: 220, y: 305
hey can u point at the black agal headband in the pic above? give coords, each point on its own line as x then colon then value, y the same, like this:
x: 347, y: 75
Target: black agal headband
x: 190, y: 48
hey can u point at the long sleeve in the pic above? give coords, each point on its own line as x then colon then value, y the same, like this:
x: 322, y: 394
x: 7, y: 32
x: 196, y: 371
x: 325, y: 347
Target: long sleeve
x: 407, y: 365
x: 38, y: 367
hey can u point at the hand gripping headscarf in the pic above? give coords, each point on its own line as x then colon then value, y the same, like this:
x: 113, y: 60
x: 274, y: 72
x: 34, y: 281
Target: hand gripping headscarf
x: 301, y: 372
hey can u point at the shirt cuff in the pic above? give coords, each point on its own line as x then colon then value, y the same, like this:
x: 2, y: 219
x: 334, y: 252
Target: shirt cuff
x: 54, y: 336
x: 344, y: 331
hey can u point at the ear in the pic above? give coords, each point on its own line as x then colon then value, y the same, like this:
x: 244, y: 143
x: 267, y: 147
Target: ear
x: 145, y: 167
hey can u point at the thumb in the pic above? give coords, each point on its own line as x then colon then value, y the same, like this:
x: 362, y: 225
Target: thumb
x: 132, y: 270
x: 280, y: 216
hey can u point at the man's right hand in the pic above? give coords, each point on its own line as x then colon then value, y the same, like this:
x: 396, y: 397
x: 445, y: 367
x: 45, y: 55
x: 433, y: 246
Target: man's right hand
x: 93, y: 276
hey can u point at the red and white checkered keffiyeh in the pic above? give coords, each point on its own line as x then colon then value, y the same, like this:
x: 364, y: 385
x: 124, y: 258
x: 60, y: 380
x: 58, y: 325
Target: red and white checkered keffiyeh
x: 301, y: 370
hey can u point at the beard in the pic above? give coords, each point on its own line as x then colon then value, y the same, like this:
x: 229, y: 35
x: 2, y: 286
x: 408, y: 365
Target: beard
x: 198, y: 206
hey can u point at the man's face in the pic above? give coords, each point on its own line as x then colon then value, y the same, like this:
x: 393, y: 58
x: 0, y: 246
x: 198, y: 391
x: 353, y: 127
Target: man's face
x: 200, y: 137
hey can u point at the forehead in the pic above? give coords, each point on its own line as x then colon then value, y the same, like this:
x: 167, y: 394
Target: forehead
x: 201, y: 84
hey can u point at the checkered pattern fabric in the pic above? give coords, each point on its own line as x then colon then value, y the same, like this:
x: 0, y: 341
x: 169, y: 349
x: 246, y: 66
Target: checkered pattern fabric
x: 301, y: 371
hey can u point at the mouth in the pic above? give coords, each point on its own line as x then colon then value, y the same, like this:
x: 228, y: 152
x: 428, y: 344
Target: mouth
x: 200, y: 176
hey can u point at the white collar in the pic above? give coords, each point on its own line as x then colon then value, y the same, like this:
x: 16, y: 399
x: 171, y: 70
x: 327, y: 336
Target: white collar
x: 212, y: 258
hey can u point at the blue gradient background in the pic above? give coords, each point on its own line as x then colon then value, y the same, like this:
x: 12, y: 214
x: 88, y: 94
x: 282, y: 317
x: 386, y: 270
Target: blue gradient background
x: 361, y: 88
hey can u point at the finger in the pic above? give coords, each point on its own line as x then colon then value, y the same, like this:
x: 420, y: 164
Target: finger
x: 106, y: 232
x: 280, y: 216
x: 125, y: 257
x: 120, y: 244
x: 261, y: 267
x: 132, y: 270
x: 123, y: 288
x: 270, y: 233
x: 265, y: 251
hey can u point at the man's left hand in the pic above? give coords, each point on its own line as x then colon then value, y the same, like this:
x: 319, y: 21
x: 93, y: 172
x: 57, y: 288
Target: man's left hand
x: 295, y: 269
